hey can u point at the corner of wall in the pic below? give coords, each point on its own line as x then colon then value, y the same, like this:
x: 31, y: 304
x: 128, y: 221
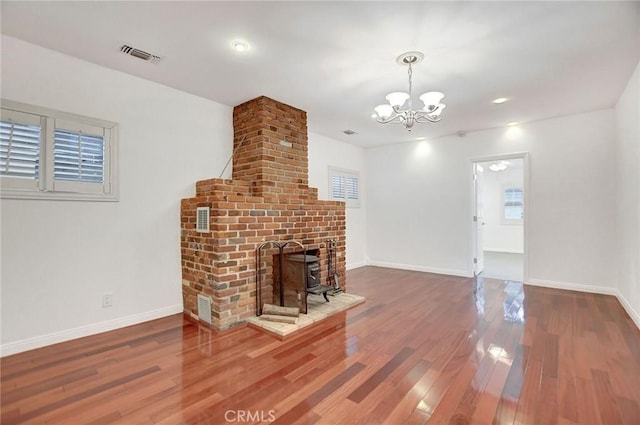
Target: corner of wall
x: 627, y: 174
x: 633, y: 314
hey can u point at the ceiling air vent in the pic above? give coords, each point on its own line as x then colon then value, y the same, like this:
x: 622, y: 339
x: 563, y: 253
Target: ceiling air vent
x: 140, y: 54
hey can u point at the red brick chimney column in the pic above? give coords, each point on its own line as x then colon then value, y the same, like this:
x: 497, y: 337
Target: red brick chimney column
x: 274, y: 152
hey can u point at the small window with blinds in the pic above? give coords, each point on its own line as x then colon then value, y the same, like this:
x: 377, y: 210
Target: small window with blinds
x: 78, y: 157
x: 513, y: 205
x: 47, y: 154
x: 344, y: 185
x: 20, y: 148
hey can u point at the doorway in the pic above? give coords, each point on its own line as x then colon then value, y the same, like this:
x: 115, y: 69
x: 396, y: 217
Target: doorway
x: 499, y: 217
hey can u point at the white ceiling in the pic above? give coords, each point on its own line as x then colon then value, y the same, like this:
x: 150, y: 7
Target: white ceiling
x: 336, y: 60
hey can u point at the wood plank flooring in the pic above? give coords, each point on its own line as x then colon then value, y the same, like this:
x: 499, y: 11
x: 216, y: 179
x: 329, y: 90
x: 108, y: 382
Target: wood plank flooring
x: 424, y: 348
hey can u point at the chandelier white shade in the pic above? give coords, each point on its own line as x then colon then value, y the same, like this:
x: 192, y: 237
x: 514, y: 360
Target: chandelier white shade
x: 393, y: 112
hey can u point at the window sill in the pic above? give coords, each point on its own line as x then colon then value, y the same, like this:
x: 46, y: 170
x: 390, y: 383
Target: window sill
x: 57, y: 196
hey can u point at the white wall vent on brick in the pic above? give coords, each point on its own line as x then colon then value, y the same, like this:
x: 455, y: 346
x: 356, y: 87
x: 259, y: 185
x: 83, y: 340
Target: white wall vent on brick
x: 204, y: 308
x: 202, y: 219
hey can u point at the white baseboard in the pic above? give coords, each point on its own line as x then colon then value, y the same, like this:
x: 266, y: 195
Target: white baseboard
x: 352, y: 266
x: 572, y: 286
x: 502, y: 251
x: 82, y: 331
x: 451, y: 272
x: 629, y: 309
x: 591, y: 289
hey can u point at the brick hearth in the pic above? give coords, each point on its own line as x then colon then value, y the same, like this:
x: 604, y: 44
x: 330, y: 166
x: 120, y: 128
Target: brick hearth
x: 268, y: 199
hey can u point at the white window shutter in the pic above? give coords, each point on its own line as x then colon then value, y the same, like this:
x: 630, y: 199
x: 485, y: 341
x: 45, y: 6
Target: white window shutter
x: 344, y: 185
x: 352, y: 188
x: 21, y: 156
x: 78, y: 157
x: 19, y: 150
x: 338, y: 187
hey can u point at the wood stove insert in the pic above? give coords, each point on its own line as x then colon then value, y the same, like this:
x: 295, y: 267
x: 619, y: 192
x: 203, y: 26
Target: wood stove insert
x: 294, y: 276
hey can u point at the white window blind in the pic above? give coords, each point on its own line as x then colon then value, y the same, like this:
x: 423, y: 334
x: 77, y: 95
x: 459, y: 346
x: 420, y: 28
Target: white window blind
x: 344, y: 185
x: 338, y: 187
x: 78, y: 157
x: 513, y: 204
x: 47, y: 154
x: 19, y: 150
x: 21, y: 136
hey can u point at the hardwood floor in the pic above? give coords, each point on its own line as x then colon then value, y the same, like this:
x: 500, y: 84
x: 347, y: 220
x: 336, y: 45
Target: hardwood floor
x: 424, y: 348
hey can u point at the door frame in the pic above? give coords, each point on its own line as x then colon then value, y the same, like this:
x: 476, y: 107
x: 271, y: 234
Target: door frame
x: 477, y: 220
x: 527, y: 207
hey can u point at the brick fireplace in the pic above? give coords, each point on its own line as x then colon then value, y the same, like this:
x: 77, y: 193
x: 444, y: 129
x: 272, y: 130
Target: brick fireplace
x: 268, y: 199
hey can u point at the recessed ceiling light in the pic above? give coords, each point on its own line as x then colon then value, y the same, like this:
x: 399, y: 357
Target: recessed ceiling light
x: 421, y: 138
x: 500, y: 100
x: 512, y: 123
x: 240, y: 46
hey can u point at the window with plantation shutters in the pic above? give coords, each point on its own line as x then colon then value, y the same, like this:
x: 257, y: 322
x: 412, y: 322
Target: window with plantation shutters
x: 46, y: 154
x: 20, y: 136
x: 78, y: 157
x: 513, y: 205
x: 344, y: 185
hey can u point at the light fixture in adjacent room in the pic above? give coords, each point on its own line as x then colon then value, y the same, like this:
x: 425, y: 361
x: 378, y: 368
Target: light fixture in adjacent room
x: 240, y: 46
x: 500, y: 100
x: 393, y: 112
x: 499, y: 166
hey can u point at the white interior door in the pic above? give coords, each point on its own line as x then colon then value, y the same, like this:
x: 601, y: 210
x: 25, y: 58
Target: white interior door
x: 478, y: 220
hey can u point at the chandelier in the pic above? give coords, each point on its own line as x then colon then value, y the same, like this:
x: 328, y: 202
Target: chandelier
x: 392, y: 112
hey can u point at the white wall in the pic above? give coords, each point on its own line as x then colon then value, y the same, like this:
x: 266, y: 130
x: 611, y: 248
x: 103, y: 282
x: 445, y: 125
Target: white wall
x: 323, y: 153
x: 419, y: 200
x: 59, y: 257
x: 627, y: 171
x: 500, y: 237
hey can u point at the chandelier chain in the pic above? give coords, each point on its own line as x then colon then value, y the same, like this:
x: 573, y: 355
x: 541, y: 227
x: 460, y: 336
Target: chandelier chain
x: 410, y: 72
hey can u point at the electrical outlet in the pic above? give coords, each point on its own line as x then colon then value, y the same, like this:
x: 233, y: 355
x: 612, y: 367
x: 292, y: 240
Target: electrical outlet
x: 107, y: 300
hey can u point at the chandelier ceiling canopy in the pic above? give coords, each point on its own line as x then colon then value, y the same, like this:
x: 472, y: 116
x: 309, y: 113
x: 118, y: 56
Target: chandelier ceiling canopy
x: 392, y: 112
